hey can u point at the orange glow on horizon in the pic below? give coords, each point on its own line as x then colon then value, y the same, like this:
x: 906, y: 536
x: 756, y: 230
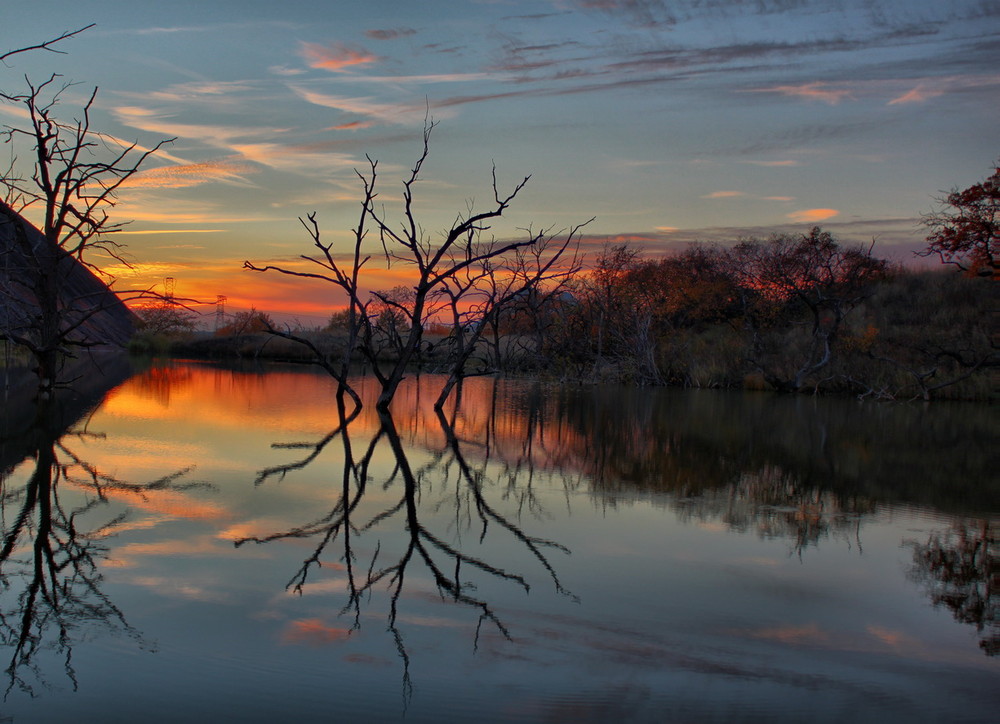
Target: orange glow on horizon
x: 302, y: 402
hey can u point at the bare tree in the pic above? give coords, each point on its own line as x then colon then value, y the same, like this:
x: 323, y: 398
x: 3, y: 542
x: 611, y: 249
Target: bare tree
x: 73, y: 182
x: 434, y: 265
x: 480, y: 295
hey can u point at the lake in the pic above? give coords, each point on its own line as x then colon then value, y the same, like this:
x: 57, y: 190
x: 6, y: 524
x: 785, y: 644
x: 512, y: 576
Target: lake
x: 204, y: 543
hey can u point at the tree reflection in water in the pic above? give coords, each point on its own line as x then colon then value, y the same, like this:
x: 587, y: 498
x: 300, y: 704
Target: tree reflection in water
x: 51, y: 553
x: 774, y: 503
x: 448, y: 473
x: 961, y: 569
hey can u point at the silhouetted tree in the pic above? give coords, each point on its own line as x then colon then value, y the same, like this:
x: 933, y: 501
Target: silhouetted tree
x: 482, y: 296
x: 251, y: 321
x: 966, y: 229
x: 165, y: 318
x: 804, y: 282
x: 433, y: 264
x: 72, y: 184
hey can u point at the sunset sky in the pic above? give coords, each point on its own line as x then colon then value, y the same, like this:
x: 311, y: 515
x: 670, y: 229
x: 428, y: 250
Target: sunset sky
x: 670, y: 121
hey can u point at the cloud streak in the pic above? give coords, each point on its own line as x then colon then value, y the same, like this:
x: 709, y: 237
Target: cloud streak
x: 823, y: 92
x: 390, y: 33
x: 810, y: 215
x: 367, y: 107
x: 194, y: 174
x: 336, y: 57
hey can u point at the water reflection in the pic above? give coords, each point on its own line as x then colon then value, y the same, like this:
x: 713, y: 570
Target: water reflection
x: 773, y: 503
x: 960, y: 568
x: 418, y: 494
x: 747, y: 545
x: 799, y: 469
x: 55, y: 537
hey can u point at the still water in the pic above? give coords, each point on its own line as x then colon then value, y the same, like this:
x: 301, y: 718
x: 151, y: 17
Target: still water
x: 201, y: 543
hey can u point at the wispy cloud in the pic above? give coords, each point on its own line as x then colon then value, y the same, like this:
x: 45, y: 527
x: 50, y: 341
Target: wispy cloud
x: 403, y: 81
x: 209, y: 92
x: 313, y: 632
x: 141, y: 205
x: 176, y: 588
x: 351, y: 126
x: 284, y: 70
x: 193, y: 174
x: 916, y: 95
x: 390, y: 33
x: 772, y: 164
x: 336, y: 57
x: 142, y: 232
x: 367, y: 107
x: 824, y: 92
x: 220, y: 136
x: 296, y: 159
x: 928, y: 88
x: 810, y: 215
x: 724, y: 195
x: 206, y: 28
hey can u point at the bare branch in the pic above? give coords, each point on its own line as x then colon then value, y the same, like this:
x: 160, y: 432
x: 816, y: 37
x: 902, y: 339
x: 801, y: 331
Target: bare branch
x: 47, y: 45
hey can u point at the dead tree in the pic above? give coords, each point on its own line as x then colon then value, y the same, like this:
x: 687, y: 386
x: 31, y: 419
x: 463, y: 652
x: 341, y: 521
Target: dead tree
x: 344, y: 275
x: 479, y: 296
x: 74, y: 178
x: 433, y: 266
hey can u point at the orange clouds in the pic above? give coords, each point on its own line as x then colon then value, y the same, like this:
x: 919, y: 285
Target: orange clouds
x: 772, y: 164
x: 806, y: 216
x: 171, y: 503
x: 724, y: 195
x: 807, y: 634
x: 811, y: 91
x: 336, y: 57
x: 917, y: 95
x: 352, y: 126
x: 313, y: 632
x: 191, y: 174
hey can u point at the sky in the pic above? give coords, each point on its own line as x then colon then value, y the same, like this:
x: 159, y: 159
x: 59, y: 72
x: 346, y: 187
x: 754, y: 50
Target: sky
x: 670, y: 122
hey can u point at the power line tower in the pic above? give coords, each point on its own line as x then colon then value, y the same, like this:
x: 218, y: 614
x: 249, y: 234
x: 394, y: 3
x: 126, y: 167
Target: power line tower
x: 220, y: 312
x: 168, y: 287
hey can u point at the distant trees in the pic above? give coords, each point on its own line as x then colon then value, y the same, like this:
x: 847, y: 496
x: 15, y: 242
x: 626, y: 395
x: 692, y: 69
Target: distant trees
x: 965, y: 230
x: 251, y: 321
x: 165, y: 318
x: 792, y: 312
x: 797, y: 291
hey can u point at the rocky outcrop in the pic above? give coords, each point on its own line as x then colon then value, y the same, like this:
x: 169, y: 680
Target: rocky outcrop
x: 85, y: 310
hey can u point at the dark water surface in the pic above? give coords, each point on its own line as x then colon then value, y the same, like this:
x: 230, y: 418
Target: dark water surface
x: 205, y: 544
